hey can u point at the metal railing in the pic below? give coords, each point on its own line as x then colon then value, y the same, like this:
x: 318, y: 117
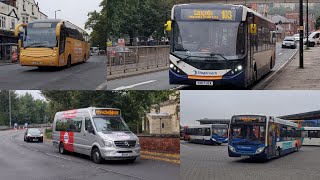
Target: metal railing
x: 136, y: 58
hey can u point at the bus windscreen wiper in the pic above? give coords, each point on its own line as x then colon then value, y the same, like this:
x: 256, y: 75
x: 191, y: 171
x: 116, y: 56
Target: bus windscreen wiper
x: 214, y: 54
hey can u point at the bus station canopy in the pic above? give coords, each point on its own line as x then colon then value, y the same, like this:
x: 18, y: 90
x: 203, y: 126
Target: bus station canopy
x: 214, y: 121
x: 302, y: 116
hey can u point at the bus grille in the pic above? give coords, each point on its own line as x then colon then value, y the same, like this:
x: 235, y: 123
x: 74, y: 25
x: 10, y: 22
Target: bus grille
x: 125, y: 144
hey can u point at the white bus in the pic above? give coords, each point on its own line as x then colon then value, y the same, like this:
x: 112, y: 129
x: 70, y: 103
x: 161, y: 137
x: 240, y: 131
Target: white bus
x: 311, y: 136
x: 207, y: 134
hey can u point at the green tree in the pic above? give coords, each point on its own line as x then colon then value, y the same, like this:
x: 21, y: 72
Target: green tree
x: 318, y: 23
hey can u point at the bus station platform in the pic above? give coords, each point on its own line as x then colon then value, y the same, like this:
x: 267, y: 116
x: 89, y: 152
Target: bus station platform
x: 291, y: 77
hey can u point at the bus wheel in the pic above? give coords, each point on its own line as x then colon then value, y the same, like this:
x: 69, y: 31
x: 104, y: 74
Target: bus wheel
x: 96, y: 156
x: 61, y: 149
x: 203, y: 141
x: 69, y: 62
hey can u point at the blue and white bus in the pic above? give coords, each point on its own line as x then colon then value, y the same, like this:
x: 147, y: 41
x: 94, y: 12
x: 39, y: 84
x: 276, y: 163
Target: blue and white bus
x: 311, y: 136
x: 265, y: 137
x: 219, y: 44
x: 207, y: 134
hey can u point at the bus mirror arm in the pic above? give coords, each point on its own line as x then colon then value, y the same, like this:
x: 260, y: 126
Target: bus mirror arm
x: 58, y: 29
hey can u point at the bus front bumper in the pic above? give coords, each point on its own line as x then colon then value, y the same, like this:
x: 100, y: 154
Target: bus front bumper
x: 235, y: 80
x: 120, y: 153
x: 38, y: 61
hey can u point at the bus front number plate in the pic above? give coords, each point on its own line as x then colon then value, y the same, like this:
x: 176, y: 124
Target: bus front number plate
x: 204, y: 83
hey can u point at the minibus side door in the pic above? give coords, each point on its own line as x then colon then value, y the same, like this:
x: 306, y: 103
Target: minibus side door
x: 89, y: 136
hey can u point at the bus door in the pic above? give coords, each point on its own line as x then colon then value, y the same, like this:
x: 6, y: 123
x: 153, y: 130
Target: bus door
x: 251, y: 48
x: 62, y: 45
x: 272, y: 138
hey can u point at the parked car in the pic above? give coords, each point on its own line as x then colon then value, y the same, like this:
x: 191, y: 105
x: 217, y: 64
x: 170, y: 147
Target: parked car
x: 33, y: 135
x: 296, y: 37
x: 289, y: 42
x: 314, y: 38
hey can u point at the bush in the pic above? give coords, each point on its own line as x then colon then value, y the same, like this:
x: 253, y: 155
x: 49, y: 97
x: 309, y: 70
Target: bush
x: 48, y: 133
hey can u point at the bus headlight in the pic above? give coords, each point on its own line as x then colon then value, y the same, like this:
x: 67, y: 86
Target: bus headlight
x: 171, y: 66
x: 137, y: 143
x: 232, y: 149
x: 240, y: 68
x: 107, y: 143
x: 260, y: 150
x: 177, y: 70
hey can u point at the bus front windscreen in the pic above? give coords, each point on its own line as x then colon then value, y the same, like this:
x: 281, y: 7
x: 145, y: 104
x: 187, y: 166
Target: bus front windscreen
x: 209, y: 38
x: 110, y: 124
x: 40, y: 35
x: 248, y: 132
x: 221, y: 132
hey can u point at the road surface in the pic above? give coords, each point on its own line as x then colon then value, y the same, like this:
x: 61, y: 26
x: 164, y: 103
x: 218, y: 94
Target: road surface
x: 204, y: 162
x: 85, y: 76
x: 160, y: 80
x: 35, y: 161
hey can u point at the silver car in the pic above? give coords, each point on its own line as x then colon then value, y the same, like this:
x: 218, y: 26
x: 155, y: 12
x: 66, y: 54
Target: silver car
x: 289, y: 42
x: 100, y: 133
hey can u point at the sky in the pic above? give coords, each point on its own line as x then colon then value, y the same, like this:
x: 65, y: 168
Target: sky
x: 75, y: 11
x: 34, y: 93
x: 197, y: 105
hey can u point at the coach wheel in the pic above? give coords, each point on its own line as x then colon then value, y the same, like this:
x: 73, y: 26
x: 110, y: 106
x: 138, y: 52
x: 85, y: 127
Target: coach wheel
x: 96, y: 156
x: 84, y: 58
x: 61, y: 149
x: 69, y: 62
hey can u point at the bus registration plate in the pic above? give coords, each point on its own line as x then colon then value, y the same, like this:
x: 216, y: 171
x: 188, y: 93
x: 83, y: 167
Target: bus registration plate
x: 204, y: 83
x: 125, y: 154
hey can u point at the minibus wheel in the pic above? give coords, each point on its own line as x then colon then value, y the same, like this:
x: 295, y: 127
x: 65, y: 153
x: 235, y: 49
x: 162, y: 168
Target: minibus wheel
x: 96, y: 156
x: 61, y: 149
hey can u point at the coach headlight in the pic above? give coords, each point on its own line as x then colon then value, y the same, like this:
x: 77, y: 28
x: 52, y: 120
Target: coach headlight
x: 232, y: 149
x: 260, y: 150
x: 107, y: 143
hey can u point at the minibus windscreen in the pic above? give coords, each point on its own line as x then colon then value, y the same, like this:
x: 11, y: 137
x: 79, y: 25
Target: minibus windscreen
x: 109, y: 124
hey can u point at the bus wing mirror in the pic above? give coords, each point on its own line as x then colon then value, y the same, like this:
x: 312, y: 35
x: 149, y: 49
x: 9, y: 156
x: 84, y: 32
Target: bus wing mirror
x: 168, y: 26
x: 58, y: 29
x: 17, y: 30
x: 253, y: 28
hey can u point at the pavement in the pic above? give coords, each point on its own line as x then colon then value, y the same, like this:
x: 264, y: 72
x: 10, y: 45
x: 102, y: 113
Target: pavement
x: 160, y: 80
x: 25, y: 161
x: 294, y: 78
x: 84, y: 76
x: 203, y: 162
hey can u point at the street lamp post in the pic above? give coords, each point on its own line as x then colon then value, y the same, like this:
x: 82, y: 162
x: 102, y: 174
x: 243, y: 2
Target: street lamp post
x: 301, y: 35
x: 55, y: 13
x: 307, y: 24
x: 10, y: 108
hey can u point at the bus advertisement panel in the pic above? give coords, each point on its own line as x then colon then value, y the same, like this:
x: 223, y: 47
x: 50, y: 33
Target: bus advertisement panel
x: 263, y: 137
x: 216, y: 44
x: 52, y: 42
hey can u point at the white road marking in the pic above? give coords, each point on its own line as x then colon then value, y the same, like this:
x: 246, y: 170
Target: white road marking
x: 179, y: 87
x: 58, y: 156
x: 134, y: 85
x: 279, y: 54
x: 184, y: 145
x: 32, y: 149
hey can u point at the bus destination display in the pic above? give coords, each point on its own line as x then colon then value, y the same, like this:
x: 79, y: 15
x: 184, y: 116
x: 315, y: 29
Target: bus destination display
x: 208, y: 14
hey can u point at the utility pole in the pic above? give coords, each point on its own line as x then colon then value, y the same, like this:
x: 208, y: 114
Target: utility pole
x: 301, y: 34
x: 55, y: 13
x: 10, y: 108
x: 307, y: 24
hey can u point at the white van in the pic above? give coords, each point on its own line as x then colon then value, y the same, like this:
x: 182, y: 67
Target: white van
x: 100, y: 133
x: 314, y: 38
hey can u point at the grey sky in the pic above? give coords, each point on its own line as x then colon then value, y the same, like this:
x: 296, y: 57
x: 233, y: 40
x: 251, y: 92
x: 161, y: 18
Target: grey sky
x: 223, y: 104
x: 75, y: 11
x: 35, y: 94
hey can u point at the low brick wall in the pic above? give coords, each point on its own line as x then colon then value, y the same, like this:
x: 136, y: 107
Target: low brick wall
x: 160, y: 143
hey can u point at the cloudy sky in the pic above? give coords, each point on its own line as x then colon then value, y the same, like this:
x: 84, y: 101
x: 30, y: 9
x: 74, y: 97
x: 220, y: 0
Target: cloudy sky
x: 224, y: 104
x: 35, y: 94
x: 75, y: 11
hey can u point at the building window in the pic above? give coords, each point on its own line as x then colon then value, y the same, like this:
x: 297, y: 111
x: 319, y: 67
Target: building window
x: 162, y: 125
x: 13, y: 23
x: 32, y: 10
x: 25, y: 20
x: 2, y: 22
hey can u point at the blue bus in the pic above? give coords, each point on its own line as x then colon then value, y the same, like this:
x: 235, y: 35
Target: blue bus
x: 207, y: 134
x: 219, y: 44
x: 265, y: 137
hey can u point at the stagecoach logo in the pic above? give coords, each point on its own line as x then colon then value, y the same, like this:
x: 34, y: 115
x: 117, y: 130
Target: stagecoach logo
x: 204, y: 73
x: 244, y: 147
x: 122, y: 136
x: 66, y: 138
x: 126, y: 144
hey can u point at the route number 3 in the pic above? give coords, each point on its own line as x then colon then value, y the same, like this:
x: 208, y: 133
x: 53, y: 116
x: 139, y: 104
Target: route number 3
x: 226, y: 14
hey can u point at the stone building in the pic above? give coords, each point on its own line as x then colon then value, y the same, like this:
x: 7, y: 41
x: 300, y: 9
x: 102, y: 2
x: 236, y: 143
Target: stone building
x: 164, y: 118
x: 12, y: 13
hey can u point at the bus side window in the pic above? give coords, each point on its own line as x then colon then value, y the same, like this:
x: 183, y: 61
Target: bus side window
x: 88, y: 125
x: 62, y: 39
